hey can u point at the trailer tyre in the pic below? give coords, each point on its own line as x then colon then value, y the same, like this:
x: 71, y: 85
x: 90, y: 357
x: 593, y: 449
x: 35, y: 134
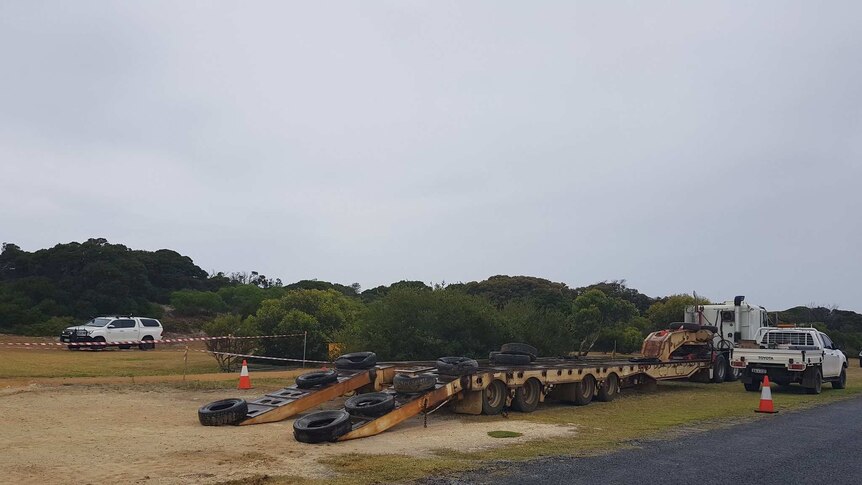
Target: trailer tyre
x: 316, y: 378
x: 518, y: 348
x: 510, y: 359
x: 371, y: 405
x: 409, y: 384
x: 494, y: 398
x: 719, y: 369
x: 456, y: 366
x: 527, y: 396
x: 841, y: 382
x: 222, y: 413
x: 585, y: 390
x: 321, y: 426
x: 609, y: 388
x: 356, y: 361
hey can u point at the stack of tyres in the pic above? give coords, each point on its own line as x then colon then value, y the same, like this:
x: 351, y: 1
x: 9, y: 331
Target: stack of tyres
x: 514, y: 354
x: 324, y: 426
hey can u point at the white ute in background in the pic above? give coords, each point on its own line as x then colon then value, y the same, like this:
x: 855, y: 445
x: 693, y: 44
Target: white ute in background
x: 114, y: 329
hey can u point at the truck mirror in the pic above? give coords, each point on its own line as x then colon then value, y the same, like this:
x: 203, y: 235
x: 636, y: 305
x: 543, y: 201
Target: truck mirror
x: 111, y: 326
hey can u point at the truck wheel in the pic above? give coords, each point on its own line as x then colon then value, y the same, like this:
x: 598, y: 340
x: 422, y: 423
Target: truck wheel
x: 609, y: 388
x: 527, y: 396
x: 510, y: 359
x: 316, y: 378
x: 733, y: 374
x: 818, y: 383
x: 224, y: 412
x: 371, y: 405
x: 719, y: 369
x: 321, y: 426
x: 148, y: 343
x: 356, y: 361
x: 98, y: 347
x: 407, y: 384
x: 751, y: 386
x: 456, y: 366
x: 841, y: 382
x: 585, y: 390
x: 494, y: 397
x: 522, y: 349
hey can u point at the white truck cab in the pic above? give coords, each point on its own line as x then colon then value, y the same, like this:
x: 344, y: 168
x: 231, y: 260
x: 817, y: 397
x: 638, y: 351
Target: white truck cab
x: 115, y: 329
x: 791, y: 355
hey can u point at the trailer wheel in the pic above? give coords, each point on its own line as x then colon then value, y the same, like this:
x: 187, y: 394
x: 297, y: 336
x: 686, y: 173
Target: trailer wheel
x: 223, y: 412
x: 321, y: 426
x: 609, y: 388
x: 719, y: 369
x: 585, y: 390
x: 518, y: 348
x: 494, y: 397
x: 817, y: 381
x: 456, y: 366
x: 356, y: 361
x: 408, y: 384
x: 527, y: 396
x: 752, y: 386
x: 371, y: 405
x: 510, y: 359
x: 316, y: 378
x: 841, y: 382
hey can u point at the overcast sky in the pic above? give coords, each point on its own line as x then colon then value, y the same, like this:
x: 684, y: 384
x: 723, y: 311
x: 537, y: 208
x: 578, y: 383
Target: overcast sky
x: 678, y: 145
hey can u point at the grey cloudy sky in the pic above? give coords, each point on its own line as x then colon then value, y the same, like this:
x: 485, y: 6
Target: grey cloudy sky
x: 678, y: 145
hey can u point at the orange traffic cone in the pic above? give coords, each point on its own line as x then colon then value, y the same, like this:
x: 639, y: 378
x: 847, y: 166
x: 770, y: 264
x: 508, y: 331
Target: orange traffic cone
x: 244, y: 380
x: 766, y: 398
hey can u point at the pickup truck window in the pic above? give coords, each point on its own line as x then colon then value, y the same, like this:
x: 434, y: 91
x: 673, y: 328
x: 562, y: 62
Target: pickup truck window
x: 149, y: 322
x: 124, y: 324
x: 789, y: 338
x: 827, y: 342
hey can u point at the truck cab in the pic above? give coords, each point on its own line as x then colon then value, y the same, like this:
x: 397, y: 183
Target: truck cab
x: 737, y: 321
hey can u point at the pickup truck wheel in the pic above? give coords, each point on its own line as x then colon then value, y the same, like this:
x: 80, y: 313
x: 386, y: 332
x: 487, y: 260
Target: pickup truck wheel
x: 585, y: 390
x: 148, y: 343
x: 98, y: 347
x: 223, y: 412
x: 733, y: 374
x: 719, y: 369
x: 751, y: 386
x: 322, y: 426
x: 494, y: 398
x: 841, y: 382
x: 527, y: 396
x: 818, y: 383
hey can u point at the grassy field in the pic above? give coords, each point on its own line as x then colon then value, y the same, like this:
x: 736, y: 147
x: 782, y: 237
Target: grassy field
x: 17, y: 362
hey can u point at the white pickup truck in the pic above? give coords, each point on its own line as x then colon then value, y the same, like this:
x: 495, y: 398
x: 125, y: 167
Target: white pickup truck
x: 115, y: 329
x: 791, y: 355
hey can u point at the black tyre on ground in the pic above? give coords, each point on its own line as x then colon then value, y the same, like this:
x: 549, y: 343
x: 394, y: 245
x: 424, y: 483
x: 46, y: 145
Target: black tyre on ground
x: 148, y: 344
x: 321, y: 426
x: 585, y: 390
x: 527, y: 396
x: 356, y: 361
x: 223, y: 413
x: 412, y: 384
x: 510, y: 359
x: 519, y: 348
x: 609, y: 388
x: 841, y: 382
x: 371, y: 405
x: 494, y: 397
x: 719, y: 369
x: 817, y: 380
x: 753, y: 386
x: 316, y: 378
x: 456, y: 366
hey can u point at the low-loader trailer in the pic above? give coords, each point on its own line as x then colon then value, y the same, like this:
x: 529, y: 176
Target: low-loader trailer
x: 385, y: 397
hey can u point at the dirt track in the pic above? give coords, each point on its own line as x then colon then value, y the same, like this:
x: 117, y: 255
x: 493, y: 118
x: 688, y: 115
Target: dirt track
x: 141, y: 434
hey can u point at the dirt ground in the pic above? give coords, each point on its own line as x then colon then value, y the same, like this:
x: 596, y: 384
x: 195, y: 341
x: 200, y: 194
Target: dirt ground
x: 145, y: 434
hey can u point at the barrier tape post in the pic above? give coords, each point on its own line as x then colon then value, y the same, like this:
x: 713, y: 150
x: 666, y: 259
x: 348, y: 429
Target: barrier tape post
x: 304, y: 344
x: 185, y: 363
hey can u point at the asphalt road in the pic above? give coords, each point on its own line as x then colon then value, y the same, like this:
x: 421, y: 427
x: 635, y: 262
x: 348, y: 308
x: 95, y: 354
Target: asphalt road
x: 820, y: 445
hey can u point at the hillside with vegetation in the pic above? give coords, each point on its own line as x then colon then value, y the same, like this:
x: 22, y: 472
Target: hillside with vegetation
x: 43, y: 291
